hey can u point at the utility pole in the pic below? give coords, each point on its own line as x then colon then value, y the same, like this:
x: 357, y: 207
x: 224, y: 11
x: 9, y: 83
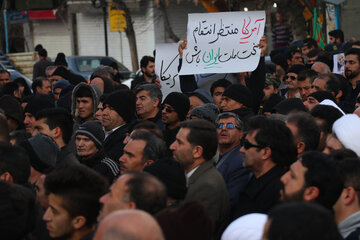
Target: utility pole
x: 103, y: 5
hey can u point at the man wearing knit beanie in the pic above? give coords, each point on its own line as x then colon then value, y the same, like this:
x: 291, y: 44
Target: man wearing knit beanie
x: 89, y: 140
x: 43, y: 152
x: 60, y: 60
x: 60, y: 73
x: 13, y: 112
x: 174, y: 109
x: 207, y: 111
x: 35, y: 105
x: 73, y: 78
x: 197, y: 98
x: 118, y: 111
x: 237, y: 99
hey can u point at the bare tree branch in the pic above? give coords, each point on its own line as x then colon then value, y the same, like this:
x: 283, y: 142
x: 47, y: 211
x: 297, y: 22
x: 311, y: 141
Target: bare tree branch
x: 130, y: 34
x: 168, y: 27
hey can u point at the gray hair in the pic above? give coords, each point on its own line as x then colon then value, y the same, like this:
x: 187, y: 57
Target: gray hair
x: 325, y: 67
x: 104, y: 71
x: 154, y: 91
x: 238, y: 122
x: 49, y: 68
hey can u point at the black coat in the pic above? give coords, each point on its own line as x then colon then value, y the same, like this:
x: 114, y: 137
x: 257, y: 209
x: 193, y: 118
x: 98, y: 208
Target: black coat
x: 261, y: 194
x: 113, y: 144
x: 105, y: 166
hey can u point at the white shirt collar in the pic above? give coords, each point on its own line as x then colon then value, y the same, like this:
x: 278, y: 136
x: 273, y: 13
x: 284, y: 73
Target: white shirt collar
x: 112, y: 130
x: 188, y: 175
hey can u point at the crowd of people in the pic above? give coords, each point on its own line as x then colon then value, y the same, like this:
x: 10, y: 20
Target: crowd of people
x: 273, y: 155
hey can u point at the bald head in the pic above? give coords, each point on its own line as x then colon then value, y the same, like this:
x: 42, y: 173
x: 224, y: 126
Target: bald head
x: 129, y: 225
x: 321, y: 68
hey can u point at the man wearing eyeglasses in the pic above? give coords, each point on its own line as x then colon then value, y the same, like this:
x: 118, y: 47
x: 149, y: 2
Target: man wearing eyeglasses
x: 290, y: 79
x: 267, y: 149
x: 230, y: 131
x: 174, y: 109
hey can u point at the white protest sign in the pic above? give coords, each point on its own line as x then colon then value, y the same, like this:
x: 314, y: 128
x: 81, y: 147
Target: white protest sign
x: 166, y: 67
x: 339, y: 63
x: 224, y: 42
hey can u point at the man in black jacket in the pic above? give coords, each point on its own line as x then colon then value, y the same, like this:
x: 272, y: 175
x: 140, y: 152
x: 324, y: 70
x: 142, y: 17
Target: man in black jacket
x: 88, y: 140
x: 118, y: 111
x: 267, y: 150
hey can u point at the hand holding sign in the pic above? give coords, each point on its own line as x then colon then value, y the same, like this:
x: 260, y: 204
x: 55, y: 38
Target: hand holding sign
x: 182, y: 47
x: 223, y: 42
x: 263, y: 46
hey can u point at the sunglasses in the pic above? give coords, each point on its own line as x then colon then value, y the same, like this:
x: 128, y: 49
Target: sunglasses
x: 167, y: 109
x: 248, y: 145
x: 228, y: 126
x: 291, y: 77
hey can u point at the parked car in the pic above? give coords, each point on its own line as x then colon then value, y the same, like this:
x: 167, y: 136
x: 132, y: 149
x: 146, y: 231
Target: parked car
x: 85, y: 66
x: 14, y: 74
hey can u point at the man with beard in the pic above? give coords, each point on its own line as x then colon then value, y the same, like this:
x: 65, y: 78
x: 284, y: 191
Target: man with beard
x: 313, y: 178
x: 230, y: 131
x: 271, y: 94
x: 194, y: 148
x: 305, y: 79
x: 147, y: 65
x: 352, y: 73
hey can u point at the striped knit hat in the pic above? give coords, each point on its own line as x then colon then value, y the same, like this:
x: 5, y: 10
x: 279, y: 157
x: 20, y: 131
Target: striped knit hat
x: 94, y: 131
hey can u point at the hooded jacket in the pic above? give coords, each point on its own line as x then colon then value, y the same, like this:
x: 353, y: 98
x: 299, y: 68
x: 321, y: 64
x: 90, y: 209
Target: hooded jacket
x: 95, y: 92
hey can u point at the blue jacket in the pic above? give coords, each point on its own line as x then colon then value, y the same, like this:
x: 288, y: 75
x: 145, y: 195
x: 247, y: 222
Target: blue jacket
x: 236, y: 177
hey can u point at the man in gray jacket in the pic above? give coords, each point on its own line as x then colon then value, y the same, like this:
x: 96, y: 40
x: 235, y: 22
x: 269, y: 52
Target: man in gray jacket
x: 194, y: 148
